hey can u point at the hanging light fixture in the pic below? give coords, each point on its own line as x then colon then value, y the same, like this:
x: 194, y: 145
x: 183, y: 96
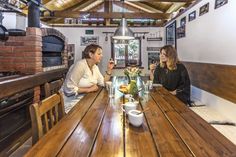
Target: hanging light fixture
x: 123, y: 32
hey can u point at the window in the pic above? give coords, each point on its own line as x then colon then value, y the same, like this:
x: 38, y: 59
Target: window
x: 126, y: 54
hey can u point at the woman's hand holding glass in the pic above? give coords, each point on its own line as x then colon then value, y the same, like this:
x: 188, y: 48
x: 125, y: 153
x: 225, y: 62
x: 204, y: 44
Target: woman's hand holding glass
x: 152, y: 67
x: 110, y: 65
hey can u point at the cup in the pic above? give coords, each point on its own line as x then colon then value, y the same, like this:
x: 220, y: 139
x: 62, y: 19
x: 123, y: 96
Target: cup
x: 128, y: 98
x: 135, y: 117
x: 146, y: 88
x: 111, y: 91
x: 149, y: 82
x: 108, y: 85
x: 129, y: 106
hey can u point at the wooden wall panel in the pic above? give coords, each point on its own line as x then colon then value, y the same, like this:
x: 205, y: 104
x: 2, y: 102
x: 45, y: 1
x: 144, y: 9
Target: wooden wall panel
x: 214, y: 78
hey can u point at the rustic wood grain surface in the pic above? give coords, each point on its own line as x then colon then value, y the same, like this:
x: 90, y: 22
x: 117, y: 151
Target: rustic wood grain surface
x: 98, y: 127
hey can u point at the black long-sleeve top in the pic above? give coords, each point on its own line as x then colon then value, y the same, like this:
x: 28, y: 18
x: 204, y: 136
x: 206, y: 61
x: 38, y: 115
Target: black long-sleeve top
x: 177, y: 79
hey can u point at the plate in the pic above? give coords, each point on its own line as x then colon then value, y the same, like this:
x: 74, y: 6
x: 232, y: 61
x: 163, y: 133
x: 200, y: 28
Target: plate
x: 123, y: 91
x: 157, y: 85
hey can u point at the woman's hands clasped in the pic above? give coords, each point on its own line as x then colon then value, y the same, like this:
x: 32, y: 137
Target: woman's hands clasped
x: 93, y: 88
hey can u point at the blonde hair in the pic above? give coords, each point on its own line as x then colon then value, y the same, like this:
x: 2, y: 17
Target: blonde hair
x: 172, y: 57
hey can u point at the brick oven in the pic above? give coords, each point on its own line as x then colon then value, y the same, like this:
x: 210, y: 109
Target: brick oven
x: 25, y: 54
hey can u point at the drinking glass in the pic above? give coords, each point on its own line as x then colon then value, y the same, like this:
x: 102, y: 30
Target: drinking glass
x: 149, y: 82
x: 146, y: 88
x: 111, y: 91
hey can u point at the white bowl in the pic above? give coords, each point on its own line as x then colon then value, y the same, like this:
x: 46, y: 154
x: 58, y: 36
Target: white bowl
x: 135, y: 117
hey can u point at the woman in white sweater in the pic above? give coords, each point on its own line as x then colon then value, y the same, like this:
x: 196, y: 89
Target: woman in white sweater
x: 84, y: 76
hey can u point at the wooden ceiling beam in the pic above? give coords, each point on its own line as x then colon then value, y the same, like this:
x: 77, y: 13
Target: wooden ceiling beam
x: 148, y: 6
x: 98, y: 7
x: 81, y: 5
x: 107, y: 9
x: 128, y: 7
x: 172, y: 1
x: 157, y: 7
x: 78, y: 14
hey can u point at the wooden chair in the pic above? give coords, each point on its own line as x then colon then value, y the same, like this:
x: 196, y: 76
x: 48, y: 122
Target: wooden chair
x: 45, y: 114
x: 52, y: 87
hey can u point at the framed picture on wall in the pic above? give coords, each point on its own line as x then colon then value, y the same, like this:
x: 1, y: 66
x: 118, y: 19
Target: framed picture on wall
x: 153, y: 57
x: 204, y: 9
x: 219, y: 3
x: 153, y: 48
x: 192, y: 16
x: 180, y: 32
x: 183, y: 21
x: 171, y: 34
x: 87, y: 40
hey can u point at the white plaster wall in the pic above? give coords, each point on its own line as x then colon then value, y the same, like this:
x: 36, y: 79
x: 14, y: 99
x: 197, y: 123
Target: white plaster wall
x: 74, y: 33
x: 9, y: 20
x: 21, y: 22
x: 14, y: 21
x: 210, y: 38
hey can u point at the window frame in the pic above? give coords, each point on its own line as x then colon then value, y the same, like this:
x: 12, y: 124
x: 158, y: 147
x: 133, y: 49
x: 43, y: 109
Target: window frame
x: 126, y: 54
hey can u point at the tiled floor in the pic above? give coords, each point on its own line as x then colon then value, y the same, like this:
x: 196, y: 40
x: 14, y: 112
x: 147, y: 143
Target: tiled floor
x: 21, y: 151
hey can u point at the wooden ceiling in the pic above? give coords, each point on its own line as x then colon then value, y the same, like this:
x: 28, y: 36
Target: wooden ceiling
x: 108, y: 12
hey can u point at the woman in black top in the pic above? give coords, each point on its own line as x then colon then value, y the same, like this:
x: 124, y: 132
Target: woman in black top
x: 172, y: 74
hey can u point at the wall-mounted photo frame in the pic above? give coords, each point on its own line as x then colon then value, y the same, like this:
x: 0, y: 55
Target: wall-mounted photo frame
x: 153, y: 57
x: 183, y: 21
x: 87, y: 40
x: 153, y: 49
x: 171, y: 34
x: 219, y: 3
x: 180, y: 32
x: 192, y: 16
x: 204, y: 9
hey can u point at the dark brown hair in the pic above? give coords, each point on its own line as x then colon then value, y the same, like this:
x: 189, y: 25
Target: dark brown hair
x: 172, y: 57
x: 92, y: 48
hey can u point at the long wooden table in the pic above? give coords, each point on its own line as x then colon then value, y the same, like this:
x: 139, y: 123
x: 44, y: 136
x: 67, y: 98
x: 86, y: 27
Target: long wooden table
x: 96, y: 126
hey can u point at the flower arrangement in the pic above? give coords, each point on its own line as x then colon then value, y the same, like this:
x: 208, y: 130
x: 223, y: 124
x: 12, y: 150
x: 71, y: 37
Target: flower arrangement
x: 132, y: 72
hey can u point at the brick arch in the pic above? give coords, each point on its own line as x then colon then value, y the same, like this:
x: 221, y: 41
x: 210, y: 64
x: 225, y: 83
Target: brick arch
x: 52, y: 32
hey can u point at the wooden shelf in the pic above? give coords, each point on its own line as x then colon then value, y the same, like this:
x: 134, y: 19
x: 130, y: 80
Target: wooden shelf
x: 154, y: 39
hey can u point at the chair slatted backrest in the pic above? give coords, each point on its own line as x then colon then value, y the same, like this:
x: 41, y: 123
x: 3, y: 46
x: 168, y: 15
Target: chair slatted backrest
x: 52, y: 87
x: 45, y: 114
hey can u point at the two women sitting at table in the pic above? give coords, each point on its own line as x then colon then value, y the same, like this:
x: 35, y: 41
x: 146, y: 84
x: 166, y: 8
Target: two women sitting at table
x: 171, y: 74
x: 84, y: 76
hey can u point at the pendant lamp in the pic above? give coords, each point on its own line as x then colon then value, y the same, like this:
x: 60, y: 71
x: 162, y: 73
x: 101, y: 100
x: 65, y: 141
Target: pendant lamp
x: 123, y: 32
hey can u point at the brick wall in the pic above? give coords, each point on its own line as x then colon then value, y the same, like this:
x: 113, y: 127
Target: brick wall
x: 22, y: 53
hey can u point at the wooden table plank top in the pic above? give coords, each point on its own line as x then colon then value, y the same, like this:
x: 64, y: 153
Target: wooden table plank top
x: 50, y: 144
x: 193, y: 129
x: 167, y: 140
x: 81, y: 141
x: 221, y: 145
x: 110, y: 142
x: 98, y: 127
x: 193, y: 140
x: 138, y: 140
